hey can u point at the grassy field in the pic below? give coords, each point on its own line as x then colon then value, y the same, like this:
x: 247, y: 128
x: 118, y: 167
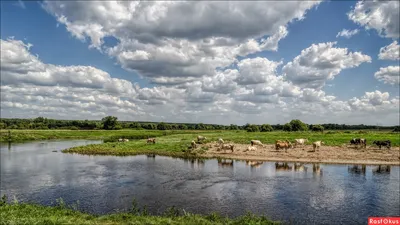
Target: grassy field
x: 17, y: 213
x: 178, y: 144
x: 31, y: 135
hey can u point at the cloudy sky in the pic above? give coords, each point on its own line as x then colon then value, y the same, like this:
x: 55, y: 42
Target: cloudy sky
x: 197, y: 61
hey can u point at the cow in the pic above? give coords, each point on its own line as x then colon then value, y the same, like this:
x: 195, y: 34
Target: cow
x: 220, y: 141
x: 301, y: 141
x: 359, y: 141
x: 386, y: 143
x: 120, y: 140
x: 151, y: 140
x: 317, y: 144
x: 256, y: 142
x: 226, y: 147
x: 200, y: 139
x: 251, y: 148
x: 282, y: 144
x: 125, y: 140
x: 193, y: 144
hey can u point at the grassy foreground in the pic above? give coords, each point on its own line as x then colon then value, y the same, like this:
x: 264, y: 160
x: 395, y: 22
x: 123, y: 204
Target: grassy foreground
x: 18, y: 213
x: 178, y: 144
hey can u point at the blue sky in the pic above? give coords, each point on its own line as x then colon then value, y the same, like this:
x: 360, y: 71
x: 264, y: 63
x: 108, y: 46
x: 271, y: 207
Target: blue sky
x: 55, y: 44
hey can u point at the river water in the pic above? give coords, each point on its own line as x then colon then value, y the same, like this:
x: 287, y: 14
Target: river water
x: 310, y: 194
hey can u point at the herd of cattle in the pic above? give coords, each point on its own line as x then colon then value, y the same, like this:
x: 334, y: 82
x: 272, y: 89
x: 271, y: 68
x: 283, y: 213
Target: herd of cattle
x: 278, y: 143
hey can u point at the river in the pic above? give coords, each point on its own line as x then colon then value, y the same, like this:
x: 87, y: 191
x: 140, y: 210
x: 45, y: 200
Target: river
x: 310, y: 194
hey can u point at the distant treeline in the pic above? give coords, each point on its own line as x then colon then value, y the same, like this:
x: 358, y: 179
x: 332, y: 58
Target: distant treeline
x: 112, y: 123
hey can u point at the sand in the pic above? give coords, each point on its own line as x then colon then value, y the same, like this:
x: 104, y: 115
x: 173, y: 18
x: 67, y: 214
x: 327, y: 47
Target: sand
x: 326, y: 154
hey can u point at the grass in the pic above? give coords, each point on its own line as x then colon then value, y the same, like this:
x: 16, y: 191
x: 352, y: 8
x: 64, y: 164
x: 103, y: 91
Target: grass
x: 31, y: 135
x: 179, y: 144
x: 25, y: 213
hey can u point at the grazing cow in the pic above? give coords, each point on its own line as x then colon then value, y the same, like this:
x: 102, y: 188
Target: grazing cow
x: 359, y: 141
x: 151, y: 140
x: 227, y: 147
x: 120, y: 140
x: 220, y: 141
x: 201, y: 139
x: 317, y: 144
x: 256, y: 142
x: 386, y: 143
x: 251, y: 148
x: 126, y: 140
x: 193, y: 144
x: 301, y: 141
x: 282, y: 144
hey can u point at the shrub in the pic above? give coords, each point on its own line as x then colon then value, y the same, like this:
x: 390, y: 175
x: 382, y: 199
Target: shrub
x: 317, y: 128
x: 266, y: 128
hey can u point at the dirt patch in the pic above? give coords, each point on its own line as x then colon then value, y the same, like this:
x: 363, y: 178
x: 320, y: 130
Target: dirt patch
x: 326, y: 154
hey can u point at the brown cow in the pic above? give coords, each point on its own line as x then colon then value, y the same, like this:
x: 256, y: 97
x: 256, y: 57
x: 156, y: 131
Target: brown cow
x: 282, y: 144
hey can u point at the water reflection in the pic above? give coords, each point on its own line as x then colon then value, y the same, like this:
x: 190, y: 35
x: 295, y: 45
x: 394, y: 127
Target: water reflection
x: 382, y: 169
x: 254, y: 164
x: 357, y: 169
x: 316, y: 169
x: 300, y: 167
x: 225, y: 162
x: 282, y: 166
x: 103, y: 184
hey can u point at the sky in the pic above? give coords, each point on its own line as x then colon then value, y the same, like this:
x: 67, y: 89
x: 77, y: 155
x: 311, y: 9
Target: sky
x: 202, y: 61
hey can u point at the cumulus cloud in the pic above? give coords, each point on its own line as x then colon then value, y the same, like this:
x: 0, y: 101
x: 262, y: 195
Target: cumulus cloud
x: 383, y: 16
x: 347, y: 33
x: 389, y: 75
x: 157, y: 43
x: 321, y: 62
x: 390, y: 52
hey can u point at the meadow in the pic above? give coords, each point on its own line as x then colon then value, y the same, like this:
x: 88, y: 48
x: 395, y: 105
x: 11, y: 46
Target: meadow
x: 26, y: 213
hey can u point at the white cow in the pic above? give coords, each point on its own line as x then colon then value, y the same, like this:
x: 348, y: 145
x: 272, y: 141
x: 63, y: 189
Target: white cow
x: 301, y: 141
x: 251, y: 148
x: 317, y: 144
x: 256, y: 142
x: 220, y: 141
x: 201, y: 138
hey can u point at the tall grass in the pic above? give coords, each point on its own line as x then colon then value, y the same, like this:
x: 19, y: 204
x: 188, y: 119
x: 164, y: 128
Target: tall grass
x: 24, y: 213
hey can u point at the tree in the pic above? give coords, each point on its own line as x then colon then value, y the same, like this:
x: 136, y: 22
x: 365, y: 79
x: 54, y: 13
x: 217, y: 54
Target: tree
x: 233, y: 127
x: 163, y: 126
x: 110, y: 123
x: 317, y: 128
x: 266, y: 128
x: 297, y: 125
x: 182, y: 127
x: 287, y: 127
x: 253, y: 128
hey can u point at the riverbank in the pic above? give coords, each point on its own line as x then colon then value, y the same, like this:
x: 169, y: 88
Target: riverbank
x: 179, y: 146
x: 22, y: 213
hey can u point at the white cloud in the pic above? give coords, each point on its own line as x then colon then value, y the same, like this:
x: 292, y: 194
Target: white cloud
x: 347, y: 33
x: 320, y: 63
x: 383, y: 16
x: 256, y: 70
x: 157, y: 43
x: 389, y: 75
x: 390, y: 52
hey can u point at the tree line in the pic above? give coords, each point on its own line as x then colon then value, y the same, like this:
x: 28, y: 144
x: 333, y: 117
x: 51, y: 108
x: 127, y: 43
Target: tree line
x: 112, y: 123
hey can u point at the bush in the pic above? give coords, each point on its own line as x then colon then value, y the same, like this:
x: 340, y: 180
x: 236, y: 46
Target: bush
x: 287, y: 127
x: 253, y: 128
x: 297, y: 125
x: 266, y: 128
x: 317, y: 128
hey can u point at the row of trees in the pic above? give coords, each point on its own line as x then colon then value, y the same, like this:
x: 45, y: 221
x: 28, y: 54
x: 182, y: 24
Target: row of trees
x: 112, y: 123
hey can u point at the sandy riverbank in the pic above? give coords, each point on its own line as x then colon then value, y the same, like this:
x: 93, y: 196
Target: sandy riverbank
x: 326, y: 154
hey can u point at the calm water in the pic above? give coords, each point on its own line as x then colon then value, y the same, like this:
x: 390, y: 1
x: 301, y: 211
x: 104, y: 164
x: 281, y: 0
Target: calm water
x: 332, y: 194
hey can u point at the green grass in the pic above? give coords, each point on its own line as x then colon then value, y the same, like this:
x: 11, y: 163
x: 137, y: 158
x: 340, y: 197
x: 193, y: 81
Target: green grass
x: 23, y: 213
x: 31, y: 135
x: 179, y: 144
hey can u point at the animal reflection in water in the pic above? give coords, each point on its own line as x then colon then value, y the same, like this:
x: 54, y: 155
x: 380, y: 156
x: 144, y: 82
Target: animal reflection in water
x: 151, y: 155
x: 254, y: 164
x: 195, y: 162
x: 225, y: 162
x: 356, y: 169
x: 300, y: 167
x: 381, y: 169
x: 282, y: 167
x: 316, y: 169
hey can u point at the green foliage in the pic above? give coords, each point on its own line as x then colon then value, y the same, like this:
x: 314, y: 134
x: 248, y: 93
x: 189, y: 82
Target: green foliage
x: 110, y: 123
x: 317, y: 128
x: 287, y: 127
x: 396, y: 129
x: 36, y: 214
x: 252, y: 128
x: 266, y: 128
x: 297, y: 125
x: 3, y: 200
